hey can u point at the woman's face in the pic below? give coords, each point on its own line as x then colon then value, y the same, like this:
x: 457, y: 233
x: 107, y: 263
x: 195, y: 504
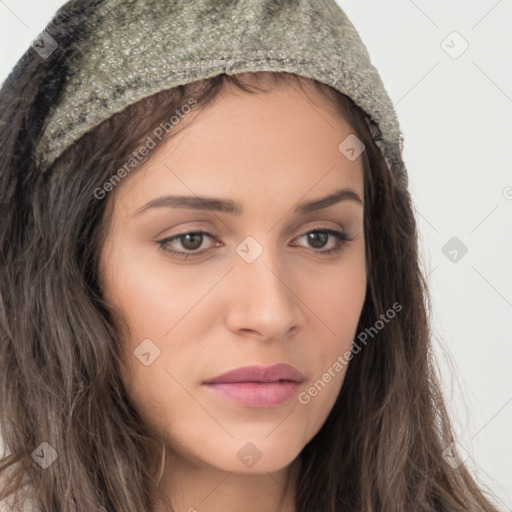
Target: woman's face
x: 260, y: 291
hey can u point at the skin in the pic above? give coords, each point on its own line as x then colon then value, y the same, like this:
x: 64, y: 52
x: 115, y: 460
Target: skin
x: 215, y: 312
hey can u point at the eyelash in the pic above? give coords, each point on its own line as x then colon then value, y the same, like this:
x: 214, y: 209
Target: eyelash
x: 343, y: 240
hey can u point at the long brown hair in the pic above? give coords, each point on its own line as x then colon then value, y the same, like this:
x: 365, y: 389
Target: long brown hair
x: 380, y: 448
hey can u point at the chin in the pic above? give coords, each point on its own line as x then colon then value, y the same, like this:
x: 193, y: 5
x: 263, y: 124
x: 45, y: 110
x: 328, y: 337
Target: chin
x: 254, y: 457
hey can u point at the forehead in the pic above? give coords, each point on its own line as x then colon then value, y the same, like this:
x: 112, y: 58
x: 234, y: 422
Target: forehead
x: 276, y: 144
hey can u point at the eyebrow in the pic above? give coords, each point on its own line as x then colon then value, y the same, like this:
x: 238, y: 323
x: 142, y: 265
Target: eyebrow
x: 229, y: 206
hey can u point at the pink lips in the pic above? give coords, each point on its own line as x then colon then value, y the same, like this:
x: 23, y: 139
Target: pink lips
x: 258, y: 386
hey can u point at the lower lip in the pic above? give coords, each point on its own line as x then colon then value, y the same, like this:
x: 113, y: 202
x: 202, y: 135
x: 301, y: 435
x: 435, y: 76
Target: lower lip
x: 256, y: 394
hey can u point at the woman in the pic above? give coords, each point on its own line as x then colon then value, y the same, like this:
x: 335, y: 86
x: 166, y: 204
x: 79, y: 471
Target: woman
x: 211, y: 296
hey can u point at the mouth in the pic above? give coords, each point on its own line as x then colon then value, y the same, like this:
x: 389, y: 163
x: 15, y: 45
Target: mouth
x: 256, y: 394
x: 257, y: 386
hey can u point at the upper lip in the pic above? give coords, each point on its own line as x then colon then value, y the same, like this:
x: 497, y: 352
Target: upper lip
x: 273, y: 373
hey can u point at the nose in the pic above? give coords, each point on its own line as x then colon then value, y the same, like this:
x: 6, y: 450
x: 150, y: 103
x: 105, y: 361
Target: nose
x: 261, y: 298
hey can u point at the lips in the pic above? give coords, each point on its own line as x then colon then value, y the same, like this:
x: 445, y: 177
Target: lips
x: 275, y: 373
x: 257, y: 386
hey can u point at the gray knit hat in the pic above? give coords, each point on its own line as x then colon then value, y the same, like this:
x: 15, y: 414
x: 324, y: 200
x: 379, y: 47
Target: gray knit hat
x: 131, y: 49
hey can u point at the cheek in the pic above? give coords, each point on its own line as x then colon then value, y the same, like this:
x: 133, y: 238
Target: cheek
x: 335, y: 297
x: 149, y: 295
x: 338, y: 305
x: 338, y: 295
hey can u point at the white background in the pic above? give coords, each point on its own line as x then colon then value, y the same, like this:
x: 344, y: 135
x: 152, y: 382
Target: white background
x: 456, y: 115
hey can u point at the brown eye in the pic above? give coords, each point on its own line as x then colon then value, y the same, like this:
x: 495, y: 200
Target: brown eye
x: 190, y: 241
x: 318, y: 238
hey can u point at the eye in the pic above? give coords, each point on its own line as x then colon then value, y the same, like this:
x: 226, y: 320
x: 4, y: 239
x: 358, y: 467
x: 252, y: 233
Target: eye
x: 191, y: 241
x: 318, y: 237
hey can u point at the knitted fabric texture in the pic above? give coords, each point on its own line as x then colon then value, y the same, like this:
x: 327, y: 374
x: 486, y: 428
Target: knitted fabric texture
x: 132, y: 49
